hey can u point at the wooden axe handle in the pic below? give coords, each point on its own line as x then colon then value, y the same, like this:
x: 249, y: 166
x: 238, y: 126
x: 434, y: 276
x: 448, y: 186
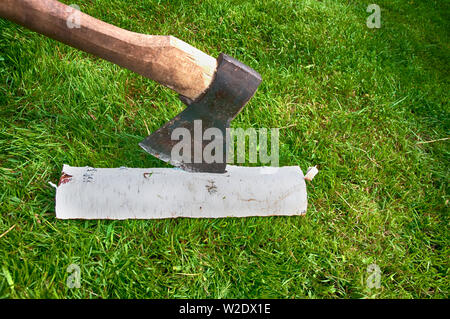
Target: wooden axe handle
x: 165, y: 59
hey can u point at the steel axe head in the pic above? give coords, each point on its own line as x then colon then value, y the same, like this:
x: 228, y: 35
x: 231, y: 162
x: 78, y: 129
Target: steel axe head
x: 195, y: 139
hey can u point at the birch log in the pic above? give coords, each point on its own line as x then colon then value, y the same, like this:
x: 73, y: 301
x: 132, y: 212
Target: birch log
x: 154, y: 193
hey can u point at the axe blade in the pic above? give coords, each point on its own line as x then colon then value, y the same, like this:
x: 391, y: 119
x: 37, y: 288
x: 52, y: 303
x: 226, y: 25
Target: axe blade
x: 233, y: 86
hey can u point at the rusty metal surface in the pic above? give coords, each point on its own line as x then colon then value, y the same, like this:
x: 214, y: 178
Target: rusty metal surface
x: 233, y: 86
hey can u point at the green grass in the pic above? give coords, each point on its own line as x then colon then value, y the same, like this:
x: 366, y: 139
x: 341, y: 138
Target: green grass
x: 361, y: 101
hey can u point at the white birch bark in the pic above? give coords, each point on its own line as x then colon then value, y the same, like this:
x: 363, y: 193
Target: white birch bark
x: 154, y: 193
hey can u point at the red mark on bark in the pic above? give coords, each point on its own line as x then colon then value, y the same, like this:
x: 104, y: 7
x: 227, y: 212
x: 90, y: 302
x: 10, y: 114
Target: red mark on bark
x: 65, y: 178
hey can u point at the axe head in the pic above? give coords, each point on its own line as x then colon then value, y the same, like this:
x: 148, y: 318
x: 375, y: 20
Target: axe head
x: 205, y: 121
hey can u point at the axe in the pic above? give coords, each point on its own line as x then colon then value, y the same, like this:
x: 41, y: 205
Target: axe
x: 214, y: 90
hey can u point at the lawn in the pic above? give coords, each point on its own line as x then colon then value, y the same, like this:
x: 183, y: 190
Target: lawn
x: 369, y: 107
